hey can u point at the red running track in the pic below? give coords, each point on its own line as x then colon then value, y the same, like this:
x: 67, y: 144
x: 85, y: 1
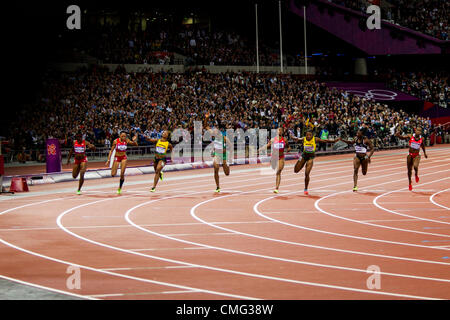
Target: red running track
x: 186, y: 242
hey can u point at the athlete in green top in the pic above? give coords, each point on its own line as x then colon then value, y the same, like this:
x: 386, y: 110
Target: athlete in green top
x: 219, y: 154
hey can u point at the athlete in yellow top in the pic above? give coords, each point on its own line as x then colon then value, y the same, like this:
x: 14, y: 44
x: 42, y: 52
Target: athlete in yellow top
x: 162, y: 145
x: 308, y: 154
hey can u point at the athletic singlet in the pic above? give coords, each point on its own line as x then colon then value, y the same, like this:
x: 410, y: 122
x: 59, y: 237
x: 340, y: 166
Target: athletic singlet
x: 219, y: 146
x: 415, y: 144
x: 79, y: 148
x: 161, y: 148
x: 361, y: 147
x: 121, y: 146
x: 309, y: 146
x: 279, y: 144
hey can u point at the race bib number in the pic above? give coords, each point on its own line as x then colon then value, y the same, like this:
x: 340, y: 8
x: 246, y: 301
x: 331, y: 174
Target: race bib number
x: 309, y: 149
x: 122, y: 147
x: 218, y: 145
x: 359, y: 149
x: 415, y: 145
x: 161, y: 150
x: 278, y: 145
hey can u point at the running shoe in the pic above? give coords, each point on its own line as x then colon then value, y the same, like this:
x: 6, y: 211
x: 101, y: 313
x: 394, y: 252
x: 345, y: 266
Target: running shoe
x: 161, y: 176
x: 410, y: 187
x: 218, y: 190
x: 306, y: 192
x: 152, y: 189
x: 275, y: 191
x: 119, y: 191
x: 355, y: 189
x: 78, y: 192
x: 417, y: 179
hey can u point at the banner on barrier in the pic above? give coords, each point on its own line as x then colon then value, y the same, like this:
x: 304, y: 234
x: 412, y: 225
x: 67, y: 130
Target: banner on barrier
x: 53, y: 157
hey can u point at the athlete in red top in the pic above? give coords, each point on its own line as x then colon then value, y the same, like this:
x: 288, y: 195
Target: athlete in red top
x: 80, y: 164
x: 279, y: 145
x: 416, y: 142
x: 120, y: 157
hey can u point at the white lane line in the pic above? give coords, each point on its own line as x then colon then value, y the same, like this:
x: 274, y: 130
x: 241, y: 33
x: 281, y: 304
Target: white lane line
x: 316, y: 204
x: 409, y: 216
x: 163, y: 249
x: 16, y: 247
x: 123, y: 275
x: 172, y: 190
x: 200, y: 234
x: 144, y: 268
x: 402, y: 202
x: 136, y: 206
x: 438, y: 204
x: 107, y: 295
x: 31, y: 228
x: 319, y: 164
x: 357, y: 221
x: 390, y: 220
x: 221, y: 269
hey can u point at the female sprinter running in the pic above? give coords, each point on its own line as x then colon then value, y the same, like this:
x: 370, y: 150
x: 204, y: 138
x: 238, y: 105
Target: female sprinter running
x: 279, y: 144
x: 80, y: 164
x: 362, y: 144
x: 308, y: 154
x: 120, y: 156
x: 219, y: 154
x: 160, y: 156
x: 416, y: 142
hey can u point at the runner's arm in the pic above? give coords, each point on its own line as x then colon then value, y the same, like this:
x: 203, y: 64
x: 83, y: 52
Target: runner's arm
x: 110, y: 152
x: 90, y: 145
x: 347, y: 141
x: 398, y: 135
x: 326, y: 140
x: 424, y: 152
x: 288, y: 146
x: 70, y: 155
x: 152, y: 140
x: 265, y: 147
x: 133, y: 142
x: 295, y: 138
x: 372, y: 149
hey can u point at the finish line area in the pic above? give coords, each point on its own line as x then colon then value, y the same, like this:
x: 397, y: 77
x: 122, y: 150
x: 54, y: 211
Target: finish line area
x: 185, y: 242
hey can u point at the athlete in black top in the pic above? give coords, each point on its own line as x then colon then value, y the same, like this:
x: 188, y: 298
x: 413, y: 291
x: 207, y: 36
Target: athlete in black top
x: 362, y: 144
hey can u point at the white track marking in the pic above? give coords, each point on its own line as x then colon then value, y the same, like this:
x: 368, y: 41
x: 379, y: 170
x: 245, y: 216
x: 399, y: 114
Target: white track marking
x: 123, y: 275
x: 319, y: 164
x: 316, y: 204
x: 219, y: 269
x: 202, y: 290
x: 438, y: 204
x: 107, y: 295
x: 405, y: 215
x: 391, y: 220
x: 255, y: 208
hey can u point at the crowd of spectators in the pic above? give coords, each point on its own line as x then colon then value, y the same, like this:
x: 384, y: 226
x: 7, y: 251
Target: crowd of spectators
x: 428, y: 86
x: 157, y: 46
x: 427, y: 16
x: 102, y: 103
